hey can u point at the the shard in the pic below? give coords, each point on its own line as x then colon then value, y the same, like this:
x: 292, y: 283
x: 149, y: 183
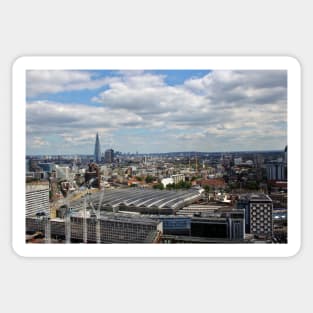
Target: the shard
x: 97, y: 150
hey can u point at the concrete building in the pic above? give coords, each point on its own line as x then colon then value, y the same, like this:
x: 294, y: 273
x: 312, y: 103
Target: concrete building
x: 37, y: 199
x: 178, y: 178
x: 109, y: 228
x: 258, y: 213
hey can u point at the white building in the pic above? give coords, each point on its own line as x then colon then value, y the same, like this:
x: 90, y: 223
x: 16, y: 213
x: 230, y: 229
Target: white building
x: 237, y: 161
x: 37, y: 199
x: 167, y: 181
x: 178, y: 178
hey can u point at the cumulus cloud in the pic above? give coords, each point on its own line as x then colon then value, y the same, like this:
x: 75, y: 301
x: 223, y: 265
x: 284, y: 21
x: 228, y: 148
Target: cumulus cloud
x: 37, y: 141
x: 147, y: 95
x: 57, y: 117
x: 240, y: 88
x: 230, y: 108
x: 40, y: 82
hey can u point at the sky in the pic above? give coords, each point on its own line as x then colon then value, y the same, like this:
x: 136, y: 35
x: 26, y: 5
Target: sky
x: 155, y: 111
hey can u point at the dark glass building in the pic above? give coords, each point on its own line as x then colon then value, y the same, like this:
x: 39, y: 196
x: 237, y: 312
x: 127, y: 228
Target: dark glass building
x: 109, y: 156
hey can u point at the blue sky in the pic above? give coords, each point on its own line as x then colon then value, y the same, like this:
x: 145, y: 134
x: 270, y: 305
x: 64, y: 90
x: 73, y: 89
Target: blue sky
x: 171, y: 78
x: 155, y: 110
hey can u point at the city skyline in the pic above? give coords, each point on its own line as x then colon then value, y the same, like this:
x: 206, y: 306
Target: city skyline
x: 155, y: 111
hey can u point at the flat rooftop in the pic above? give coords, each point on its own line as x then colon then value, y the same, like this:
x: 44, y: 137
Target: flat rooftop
x: 255, y: 197
x: 36, y: 187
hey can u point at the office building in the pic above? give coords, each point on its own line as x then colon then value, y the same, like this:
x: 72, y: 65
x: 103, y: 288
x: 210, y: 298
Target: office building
x: 97, y: 154
x: 62, y: 172
x: 178, y: 178
x: 227, y: 225
x: 276, y: 170
x: 47, y: 167
x: 109, y: 156
x: 37, y: 199
x: 258, y: 213
x: 33, y: 165
x: 175, y: 224
x: 109, y: 228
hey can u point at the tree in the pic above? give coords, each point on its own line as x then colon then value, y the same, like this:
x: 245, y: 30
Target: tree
x: 207, y: 188
x: 180, y: 185
x: 158, y: 186
x: 252, y: 184
x: 149, y: 179
x: 170, y: 186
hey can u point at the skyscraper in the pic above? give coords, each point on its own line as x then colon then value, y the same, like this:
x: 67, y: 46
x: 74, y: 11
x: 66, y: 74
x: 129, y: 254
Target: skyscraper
x: 109, y: 156
x: 97, y: 150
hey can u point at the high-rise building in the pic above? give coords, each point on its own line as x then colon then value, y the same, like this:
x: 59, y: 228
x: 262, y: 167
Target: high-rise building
x: 97, y: 150
x: 109, y: 156
x: 258, y: 213
x: 276, y: 170
x: 37, y: 199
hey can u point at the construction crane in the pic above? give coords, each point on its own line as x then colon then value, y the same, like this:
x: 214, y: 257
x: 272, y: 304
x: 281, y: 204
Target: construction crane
x: 94, y: 217
x: 47, y: 229
x: 85, y: 237
x: 67, y: 220
x: 42, y: 217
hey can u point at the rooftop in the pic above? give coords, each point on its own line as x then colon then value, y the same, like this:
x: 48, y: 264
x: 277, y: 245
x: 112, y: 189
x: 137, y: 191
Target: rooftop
x: 255, y: 197
x: 36, y: 187
x: 139, y: 197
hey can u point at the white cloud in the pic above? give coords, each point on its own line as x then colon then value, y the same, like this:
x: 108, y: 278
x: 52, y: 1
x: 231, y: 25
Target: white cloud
x: 54, y: 81
x: 37, y: 141
x: 230, y: 108
x: 147, y: 94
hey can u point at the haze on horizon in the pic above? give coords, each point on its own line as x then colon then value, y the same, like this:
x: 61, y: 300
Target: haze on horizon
x: 155, y: 111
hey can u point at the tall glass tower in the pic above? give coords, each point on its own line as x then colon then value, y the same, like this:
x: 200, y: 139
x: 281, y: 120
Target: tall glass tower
x: 97, y: 150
